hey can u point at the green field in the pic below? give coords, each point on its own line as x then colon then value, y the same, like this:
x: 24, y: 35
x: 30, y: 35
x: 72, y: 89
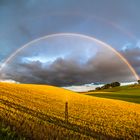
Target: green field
x: 129, y: 93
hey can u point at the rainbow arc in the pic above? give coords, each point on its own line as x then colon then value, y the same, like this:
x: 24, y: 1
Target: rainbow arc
x: 97, y: 41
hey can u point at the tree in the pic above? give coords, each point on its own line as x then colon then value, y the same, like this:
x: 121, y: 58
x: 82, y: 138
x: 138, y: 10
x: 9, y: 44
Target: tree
x: 106, y: 86
x: 115, y: 84
x: 138, y: 81
x: 97, y: 88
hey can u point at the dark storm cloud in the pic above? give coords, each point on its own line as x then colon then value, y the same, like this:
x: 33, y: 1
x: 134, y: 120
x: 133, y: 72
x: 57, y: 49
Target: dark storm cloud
x: 133, y: 56
x: 66, y: 72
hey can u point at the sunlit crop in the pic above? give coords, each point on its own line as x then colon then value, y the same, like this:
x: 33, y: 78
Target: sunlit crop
x: 38, y: 112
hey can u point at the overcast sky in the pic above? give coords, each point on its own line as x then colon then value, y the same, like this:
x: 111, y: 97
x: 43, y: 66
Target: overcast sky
x: 114, y: 22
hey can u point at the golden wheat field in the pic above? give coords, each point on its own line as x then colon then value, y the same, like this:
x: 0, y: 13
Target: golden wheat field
x: 38, y: 112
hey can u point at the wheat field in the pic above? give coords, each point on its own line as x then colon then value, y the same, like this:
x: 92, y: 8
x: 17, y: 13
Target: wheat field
x: 38, y: 112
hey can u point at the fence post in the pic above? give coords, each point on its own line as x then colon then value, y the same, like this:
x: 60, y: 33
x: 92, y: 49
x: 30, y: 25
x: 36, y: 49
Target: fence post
x: 66, y: 112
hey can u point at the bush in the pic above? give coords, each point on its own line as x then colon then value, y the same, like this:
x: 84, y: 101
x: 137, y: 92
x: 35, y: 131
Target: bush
x: 97, y: 88
x: 115, y: 84
x: 107, y: 86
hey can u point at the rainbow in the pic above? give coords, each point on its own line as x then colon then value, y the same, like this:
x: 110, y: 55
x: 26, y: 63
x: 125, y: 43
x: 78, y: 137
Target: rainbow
x: 97, y: 41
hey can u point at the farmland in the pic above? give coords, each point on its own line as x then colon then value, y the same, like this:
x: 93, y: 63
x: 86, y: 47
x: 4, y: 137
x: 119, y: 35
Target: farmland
x: 129, y: 93
x: 38, y: 112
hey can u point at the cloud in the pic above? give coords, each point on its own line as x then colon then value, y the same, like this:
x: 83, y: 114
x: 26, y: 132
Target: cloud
x: 65, y: 61
x: 102, y: 67
x: 9, y: 81
x: 133, y: 56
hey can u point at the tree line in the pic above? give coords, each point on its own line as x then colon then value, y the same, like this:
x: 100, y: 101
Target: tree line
x: 107, y: 86
x: 111, y: 85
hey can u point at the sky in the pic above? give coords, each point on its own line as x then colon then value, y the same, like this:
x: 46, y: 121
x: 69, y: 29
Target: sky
x: 114, y: 22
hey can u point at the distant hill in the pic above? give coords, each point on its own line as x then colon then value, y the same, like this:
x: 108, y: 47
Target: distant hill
x: 130, y: 93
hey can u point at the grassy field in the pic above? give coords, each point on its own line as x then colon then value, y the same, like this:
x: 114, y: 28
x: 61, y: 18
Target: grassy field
x: 129, y: 93
x: 38, y: 112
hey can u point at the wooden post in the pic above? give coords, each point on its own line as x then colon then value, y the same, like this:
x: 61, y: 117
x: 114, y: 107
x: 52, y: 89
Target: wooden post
x: 66, y: 112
